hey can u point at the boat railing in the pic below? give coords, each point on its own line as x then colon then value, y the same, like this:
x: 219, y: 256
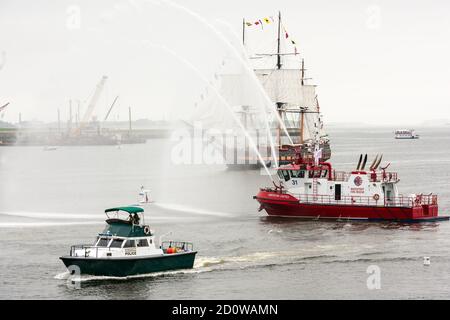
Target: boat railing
x: 87, y: 250
x: 401, y: 201
x: 176, y: 246
x: 373, y: 176
x: 340, y: 176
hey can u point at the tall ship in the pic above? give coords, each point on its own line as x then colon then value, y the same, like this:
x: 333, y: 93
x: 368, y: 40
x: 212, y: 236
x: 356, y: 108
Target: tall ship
x: 281, y: 73
x: 311, y: 188
x: 261, y: 97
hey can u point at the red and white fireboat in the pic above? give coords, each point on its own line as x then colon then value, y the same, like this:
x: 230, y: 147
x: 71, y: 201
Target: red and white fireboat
x: 310, y: 188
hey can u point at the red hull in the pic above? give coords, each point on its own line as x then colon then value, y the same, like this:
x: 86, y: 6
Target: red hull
x: 285, y: 205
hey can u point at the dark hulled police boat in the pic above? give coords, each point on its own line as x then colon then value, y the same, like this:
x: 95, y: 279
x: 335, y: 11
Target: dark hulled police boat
x: 127, y: 247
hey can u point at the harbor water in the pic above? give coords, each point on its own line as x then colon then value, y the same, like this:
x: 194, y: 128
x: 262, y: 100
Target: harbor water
x: 50, y: 200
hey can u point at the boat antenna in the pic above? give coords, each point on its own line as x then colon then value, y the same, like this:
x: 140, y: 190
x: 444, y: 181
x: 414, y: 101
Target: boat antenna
x: 303, y: 72
x: 359, y: 162
x: 364, y: 162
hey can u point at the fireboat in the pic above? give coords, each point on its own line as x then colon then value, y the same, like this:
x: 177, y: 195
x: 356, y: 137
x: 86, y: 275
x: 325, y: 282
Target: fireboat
x: 310, y: 188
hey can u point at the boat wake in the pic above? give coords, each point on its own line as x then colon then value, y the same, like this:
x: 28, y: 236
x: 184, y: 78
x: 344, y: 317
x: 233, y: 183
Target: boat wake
x: 86, y: 278
x: 202, y: 264
x: 209, y: 264
x: 254, y: 259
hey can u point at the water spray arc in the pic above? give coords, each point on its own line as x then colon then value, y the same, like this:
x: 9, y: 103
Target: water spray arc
x: 222, y: 99
x: 258, y: 83
x: 244, y: 64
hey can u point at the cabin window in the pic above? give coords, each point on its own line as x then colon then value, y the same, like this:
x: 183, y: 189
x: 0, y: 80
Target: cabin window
x: 295, y: 173
x: 116, y: 243
x: 310, y: 174
x: 324, y: 173
x: 302, y: 174
x: 280, y: 174
x: 130, y: 244
x: 286, y: 175
x: 103, y: 242
x: 142, y: 243
x: 317, y: 173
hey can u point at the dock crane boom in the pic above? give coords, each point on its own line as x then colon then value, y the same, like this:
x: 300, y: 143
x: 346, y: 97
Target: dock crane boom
x: 4, y: 107
x: 92, y: 103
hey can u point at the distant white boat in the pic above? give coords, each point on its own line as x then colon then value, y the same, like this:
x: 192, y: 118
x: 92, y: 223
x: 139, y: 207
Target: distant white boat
x: 406, y: 134
x: 144, y: 194
x: 50, y: 148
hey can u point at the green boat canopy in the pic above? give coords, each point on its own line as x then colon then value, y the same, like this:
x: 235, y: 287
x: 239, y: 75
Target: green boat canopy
x: 126, y: 209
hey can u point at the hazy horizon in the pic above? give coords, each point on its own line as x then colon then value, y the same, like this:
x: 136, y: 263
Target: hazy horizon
x: 375, y: 62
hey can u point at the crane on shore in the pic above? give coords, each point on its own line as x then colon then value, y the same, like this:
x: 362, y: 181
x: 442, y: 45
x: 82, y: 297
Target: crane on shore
x: 91, y: 106
x: 2, y: 108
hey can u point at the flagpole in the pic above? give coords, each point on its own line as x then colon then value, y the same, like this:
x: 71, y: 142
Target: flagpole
x: 279, y: 104
x: 279, y: 36
x: 243, y: 31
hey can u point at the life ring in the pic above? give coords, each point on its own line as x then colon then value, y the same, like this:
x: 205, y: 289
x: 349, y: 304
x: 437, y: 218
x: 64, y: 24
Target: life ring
x: 376, y: 197
x: 146, y: 230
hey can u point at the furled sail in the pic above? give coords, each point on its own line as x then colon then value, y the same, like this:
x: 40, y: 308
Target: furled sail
x: 285, y: 86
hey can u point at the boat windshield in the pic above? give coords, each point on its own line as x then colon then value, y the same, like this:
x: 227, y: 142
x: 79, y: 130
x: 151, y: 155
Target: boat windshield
x: 103, y: 242
x: 130, y: 244
x: 284, y: 174
x: 295, y: 173
x: 116, y: 243
x: 142, y: 243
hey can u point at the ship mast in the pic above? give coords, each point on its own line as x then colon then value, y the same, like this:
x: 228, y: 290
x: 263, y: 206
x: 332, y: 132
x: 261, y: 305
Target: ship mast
x: 303, y: 71
x: 278, y: 42
x: 243, y: 31
x: 302, y: 113
x: 279, y: 104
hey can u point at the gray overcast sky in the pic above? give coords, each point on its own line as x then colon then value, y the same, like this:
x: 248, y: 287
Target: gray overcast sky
x: 380, y: 62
